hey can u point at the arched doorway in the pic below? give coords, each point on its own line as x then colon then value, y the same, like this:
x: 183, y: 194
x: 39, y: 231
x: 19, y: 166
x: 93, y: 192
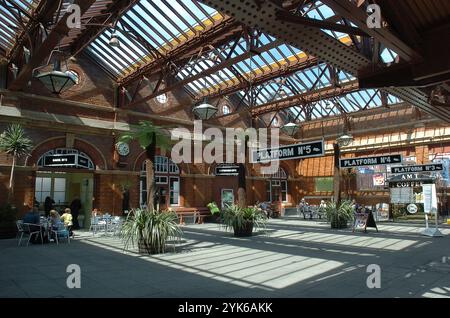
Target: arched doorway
x: 65, y: 175
x: 277, y: 188
x: 167, y: 183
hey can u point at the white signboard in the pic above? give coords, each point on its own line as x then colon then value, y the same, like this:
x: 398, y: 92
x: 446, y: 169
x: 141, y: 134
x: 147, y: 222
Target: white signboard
x: 430, y: 199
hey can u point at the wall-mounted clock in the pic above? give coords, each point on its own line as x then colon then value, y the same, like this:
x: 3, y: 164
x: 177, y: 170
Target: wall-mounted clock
x: 123, y: 148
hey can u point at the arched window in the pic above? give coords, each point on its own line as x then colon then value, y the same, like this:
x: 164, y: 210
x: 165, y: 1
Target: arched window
x: 162, y: 99
x: 275, y: 122
x: 226, y: 109
x: 55, y: 184
x: 66, y: 157
x: 167, y: 177
x: 276, y: 186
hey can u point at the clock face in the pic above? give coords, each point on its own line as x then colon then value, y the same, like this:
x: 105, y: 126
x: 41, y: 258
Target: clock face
x: 122, y: 148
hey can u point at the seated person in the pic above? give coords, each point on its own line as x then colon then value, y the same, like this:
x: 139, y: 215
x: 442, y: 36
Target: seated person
x: 66, y: 218
x: 55, y: 220
x: 95, y: 213
x: 32, y: 217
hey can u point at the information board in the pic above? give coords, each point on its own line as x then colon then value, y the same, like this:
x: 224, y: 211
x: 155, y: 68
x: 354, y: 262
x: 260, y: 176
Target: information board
x: 363, y: 221
x: 402, y: 195
x: 382, y: 212
x: 429, y: 198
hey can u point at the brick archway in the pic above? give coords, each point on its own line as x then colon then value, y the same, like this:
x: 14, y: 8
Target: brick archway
x: 60, y: 142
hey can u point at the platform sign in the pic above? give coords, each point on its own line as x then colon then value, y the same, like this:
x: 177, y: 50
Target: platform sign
x: 370, y: 161
x: 297, y: 151
x: 418, y: 168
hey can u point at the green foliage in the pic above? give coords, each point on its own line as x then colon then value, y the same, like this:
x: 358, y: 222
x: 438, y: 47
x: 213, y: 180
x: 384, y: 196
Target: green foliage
x: 150, y: 230
x: 8, y: 214
x: 143, y: 134
x: 237, y: 218
x: 14, y: 142
x: 339, y: 216
x: 213, y: 208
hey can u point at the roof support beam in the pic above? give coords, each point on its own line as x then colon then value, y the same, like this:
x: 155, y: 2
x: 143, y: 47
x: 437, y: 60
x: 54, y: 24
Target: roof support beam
x: 217, y: 33
x: 384, y: 35
x: 43, y: 12
x: 284, y: 15
x: 60, y: 30
x: 91, y: 32
x: 212, y: 70
x: 317, y: 43
x: 306, y: 98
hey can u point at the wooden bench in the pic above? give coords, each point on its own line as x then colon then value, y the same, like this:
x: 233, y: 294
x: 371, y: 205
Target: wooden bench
x: 183, y: 215
x: 198, y: 214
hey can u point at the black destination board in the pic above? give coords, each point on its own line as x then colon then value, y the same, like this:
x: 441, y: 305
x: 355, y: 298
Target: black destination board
x: 370, y: 161
x: 418, y: 168
x: 66, y: 160
x: 60, y: 160
x: 305, y: 150
x: 227, y: 170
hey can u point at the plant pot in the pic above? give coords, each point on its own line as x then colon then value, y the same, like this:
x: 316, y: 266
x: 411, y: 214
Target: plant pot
x: 245, y: 230
x: 147, y: 249
x: 341, y: 224
x: 8, y: 230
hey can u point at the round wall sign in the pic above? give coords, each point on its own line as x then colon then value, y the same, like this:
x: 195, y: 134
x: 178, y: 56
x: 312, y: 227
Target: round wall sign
x: 412, y: 208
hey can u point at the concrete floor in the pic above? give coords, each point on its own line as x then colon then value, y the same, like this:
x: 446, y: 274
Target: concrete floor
x: 295, y: 258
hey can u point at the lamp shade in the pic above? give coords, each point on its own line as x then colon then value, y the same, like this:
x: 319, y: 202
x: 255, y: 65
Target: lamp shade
x: 290, y: 128
x: 114, y: 40
x: 204, y: 111
x: 344, y: 140
x: 57, y: 81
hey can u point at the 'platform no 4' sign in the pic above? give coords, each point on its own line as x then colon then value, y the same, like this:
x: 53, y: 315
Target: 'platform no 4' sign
x: 370, y: 161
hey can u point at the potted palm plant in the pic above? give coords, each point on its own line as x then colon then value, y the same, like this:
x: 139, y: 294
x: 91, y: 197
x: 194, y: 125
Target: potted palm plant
x: 243, y: 220
x: 339, y: 215
x: 149, y: 137
x: 150, y: 230
x: 15, y: 143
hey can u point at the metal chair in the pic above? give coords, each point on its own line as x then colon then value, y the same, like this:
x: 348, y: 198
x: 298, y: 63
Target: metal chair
x: 20, y: 230
x: 28, y: 229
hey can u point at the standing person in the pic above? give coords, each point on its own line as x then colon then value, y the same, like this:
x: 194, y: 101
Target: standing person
x: 75, y: 207
x: 48, y: 205
x: 68, y: 220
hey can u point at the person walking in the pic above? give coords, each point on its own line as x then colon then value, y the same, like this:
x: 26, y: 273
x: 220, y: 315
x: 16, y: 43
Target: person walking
x: 48, y: 206
x: 75, y: 207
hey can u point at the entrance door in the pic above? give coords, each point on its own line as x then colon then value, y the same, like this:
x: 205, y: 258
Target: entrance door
x: 227, y: 198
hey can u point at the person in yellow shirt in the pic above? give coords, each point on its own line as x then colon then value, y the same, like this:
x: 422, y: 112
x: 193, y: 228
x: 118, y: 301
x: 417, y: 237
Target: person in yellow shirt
x: 67, y: 219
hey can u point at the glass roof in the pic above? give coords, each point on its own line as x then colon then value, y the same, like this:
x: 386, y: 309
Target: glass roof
x: 153, y: 28
x: 12, y: 15
x: 149, y: 30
